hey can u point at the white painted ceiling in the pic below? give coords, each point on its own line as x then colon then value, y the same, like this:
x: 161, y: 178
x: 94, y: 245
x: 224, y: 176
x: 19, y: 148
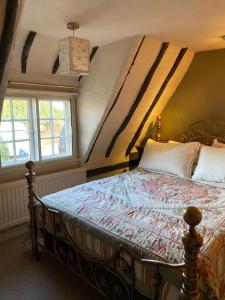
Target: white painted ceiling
x: 197, y: 24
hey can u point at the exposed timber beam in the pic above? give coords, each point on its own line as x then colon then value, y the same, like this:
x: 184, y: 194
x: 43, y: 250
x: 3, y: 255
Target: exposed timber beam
x: 12, y: 13
x: 56, y: 65
x: 139, y: 97
x: 156, y: 99
x: 26, y: 50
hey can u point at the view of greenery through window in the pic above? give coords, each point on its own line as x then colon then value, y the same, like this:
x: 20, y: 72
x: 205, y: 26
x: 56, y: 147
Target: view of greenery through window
x: 25, y: 134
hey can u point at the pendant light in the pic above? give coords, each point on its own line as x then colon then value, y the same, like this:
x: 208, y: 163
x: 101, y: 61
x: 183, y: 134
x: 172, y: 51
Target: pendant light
x: 74, y: 53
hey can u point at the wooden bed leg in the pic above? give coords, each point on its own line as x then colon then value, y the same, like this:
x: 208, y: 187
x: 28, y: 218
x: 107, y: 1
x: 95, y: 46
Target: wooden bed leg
x: 192, y: 241
x: 30, y: 177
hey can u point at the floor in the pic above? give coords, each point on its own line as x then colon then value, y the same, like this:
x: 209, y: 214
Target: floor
x: 21, y: 279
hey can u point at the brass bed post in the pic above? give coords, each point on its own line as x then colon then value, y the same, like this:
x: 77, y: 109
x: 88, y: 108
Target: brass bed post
x: 158, y: 128
x: 192, y: 241
x: 30, y: 177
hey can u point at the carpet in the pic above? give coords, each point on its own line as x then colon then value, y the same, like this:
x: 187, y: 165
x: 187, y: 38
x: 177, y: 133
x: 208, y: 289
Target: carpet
x: 21, y: 279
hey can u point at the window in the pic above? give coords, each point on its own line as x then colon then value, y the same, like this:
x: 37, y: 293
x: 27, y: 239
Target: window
x: 36, y: 129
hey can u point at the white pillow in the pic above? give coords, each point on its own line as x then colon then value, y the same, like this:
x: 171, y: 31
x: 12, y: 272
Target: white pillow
x: 173, y: 158
x: 196, y: 156
x: 211, y: 165
x: 217, y: 144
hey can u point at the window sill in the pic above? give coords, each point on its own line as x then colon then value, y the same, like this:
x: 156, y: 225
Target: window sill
x: 17, y: 172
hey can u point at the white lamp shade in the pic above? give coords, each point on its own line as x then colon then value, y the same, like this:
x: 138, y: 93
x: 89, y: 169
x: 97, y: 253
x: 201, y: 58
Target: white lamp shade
x: 74, y: 56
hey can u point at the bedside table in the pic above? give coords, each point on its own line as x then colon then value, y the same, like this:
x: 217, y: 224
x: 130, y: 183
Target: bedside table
x: 133, y: 159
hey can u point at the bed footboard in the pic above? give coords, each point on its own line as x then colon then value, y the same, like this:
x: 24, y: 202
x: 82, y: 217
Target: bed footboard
x: 30, y: 177
x: 192, y: 241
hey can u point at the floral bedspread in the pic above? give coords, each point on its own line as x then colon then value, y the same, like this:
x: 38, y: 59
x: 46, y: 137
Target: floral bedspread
x: 144, y: 210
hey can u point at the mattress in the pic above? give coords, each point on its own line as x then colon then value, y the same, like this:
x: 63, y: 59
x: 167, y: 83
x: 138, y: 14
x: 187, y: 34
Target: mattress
x: 144, y: 211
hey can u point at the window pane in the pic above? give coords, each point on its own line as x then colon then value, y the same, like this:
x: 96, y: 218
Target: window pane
x: 21, y: 130
x: 5, y: 131
x: 58, y: 108
x: 19, y: 121
x: 6, y: 151
x: 60, y: 146
x: 6, y: 110
x: 22, y: 150
x: 45, y: 129
x: 59, y: 128
x: 44, y: 109
x: 20, y: 109
x: 46, y: 147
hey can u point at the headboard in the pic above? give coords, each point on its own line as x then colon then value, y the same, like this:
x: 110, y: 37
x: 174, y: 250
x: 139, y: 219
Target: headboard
x: 204, y: 131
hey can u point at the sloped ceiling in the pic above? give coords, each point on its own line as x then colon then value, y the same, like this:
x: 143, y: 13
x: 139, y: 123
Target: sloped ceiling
x: 193, y: 24
x: 124, y: 94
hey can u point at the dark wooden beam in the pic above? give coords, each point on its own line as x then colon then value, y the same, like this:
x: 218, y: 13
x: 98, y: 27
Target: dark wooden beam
x: 93, y: 52
x: 115, y: 100
x: 26, y: 50
x: 107, y: 169
x: 56, y: 65
x: 156, y: 99
x: 8, y: 33
x: 149, y: 135
x: 139, y: 97
x: 9, y: 27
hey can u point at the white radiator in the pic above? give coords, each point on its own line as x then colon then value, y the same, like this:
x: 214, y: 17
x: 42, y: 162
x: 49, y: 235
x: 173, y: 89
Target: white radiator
x: 13, y: 195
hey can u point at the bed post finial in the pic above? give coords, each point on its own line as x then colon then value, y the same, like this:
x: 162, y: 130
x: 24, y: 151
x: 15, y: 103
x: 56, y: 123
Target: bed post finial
x: 192, y: 241
x: 30, y: 177
x: 158, y: 128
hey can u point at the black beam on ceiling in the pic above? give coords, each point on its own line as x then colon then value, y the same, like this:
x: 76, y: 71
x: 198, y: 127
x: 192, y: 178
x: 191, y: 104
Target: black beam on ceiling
x: 26, y: 50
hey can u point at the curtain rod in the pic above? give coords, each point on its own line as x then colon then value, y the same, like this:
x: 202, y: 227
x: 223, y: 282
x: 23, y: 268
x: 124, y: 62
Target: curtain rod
x: 41, y: 85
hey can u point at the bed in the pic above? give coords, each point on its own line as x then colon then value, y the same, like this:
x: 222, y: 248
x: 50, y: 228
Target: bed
x: 127, y: 237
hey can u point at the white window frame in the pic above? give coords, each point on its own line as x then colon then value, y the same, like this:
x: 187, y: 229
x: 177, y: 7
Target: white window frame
x: 68, y: 130
x: 34, y: 132
x: 12, y: 120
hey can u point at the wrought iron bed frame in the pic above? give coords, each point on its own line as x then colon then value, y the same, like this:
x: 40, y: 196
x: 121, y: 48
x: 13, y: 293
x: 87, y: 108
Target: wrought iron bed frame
x: 204, y: 131
x: 103, y: 274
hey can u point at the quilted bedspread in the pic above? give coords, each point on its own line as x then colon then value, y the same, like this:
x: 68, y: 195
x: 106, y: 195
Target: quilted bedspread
x: 144, y: 210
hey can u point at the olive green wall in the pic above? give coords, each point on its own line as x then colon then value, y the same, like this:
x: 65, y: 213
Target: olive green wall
x: 200, y: 96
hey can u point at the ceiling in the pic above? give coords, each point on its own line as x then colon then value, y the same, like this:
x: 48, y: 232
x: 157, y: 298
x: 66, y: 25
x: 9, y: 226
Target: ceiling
x: 197, y: 24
